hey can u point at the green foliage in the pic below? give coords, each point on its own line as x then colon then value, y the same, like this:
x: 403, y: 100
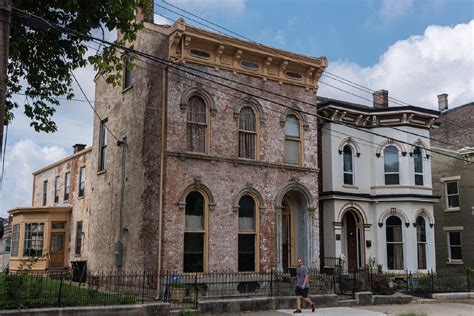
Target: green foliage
x: 42, y: 57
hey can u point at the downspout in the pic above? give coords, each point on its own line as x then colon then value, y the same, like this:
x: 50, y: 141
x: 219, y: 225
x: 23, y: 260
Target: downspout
x: 118, y: 245
x: 164, y: 106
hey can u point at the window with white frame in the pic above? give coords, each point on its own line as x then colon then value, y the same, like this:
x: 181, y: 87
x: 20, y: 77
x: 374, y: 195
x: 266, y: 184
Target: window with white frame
x: 452, y: 194
x: 454, y: 246
x: 418, y: 162
x: 292, y: 140
x: 67, y: 185
x: 82, y: 181
x: 247, y: 234
x: 34, y: 238
x: 394, y: 239
x: 421, y: 241
x: 391, y: 165
x: 247, y: 133
x: 56, y: 189
x: 348, y: 158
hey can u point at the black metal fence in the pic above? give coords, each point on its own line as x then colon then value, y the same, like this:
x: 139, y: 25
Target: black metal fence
x: 185, y: 290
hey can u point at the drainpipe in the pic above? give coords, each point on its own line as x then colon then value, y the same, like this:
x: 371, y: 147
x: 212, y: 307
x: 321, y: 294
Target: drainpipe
x: 118, y: 245
x: 164, y: 106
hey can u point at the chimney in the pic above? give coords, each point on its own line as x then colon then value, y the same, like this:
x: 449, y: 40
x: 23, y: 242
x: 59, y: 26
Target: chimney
x: 443, y: 102
x: 380, y: 99
x: 78, y: 147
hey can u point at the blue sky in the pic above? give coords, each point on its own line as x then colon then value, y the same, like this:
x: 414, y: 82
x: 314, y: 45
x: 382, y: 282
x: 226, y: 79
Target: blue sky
x: 414, y: 49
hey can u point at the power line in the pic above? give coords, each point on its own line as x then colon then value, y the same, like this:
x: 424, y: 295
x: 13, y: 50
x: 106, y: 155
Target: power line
x: 180, y: 67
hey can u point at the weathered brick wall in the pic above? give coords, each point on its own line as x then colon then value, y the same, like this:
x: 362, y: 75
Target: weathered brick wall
x: 456, y: 127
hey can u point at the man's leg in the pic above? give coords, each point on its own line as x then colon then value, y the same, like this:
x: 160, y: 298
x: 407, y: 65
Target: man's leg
x: 298, y: 302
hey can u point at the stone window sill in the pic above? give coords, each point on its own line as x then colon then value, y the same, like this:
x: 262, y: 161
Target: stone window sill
x: 348, y: 186
x: 455, y: 209
x: 101, y: 172
x: 455, y: 262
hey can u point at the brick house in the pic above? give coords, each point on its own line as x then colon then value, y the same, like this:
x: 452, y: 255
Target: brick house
x: 206, y: 178
x: 376, y: 199
x: 453, y: 180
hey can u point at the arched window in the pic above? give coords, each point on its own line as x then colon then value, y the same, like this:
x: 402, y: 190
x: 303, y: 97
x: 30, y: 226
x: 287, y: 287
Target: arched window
x: 247, y: 133
x: 394, y: 237
x: 421, y: 241
x: 292, y: 140
x: 247, y: 234
x: 418, y: 160
x: 197, y: 125
x: 348, y: 165
x: 195, y: 233
x: 391, y: 165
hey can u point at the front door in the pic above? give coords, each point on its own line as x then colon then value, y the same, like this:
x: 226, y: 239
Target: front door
x: 56, y: 251
x: 352, y: 244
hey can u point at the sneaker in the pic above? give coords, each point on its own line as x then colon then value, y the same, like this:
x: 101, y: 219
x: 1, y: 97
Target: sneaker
x: 313, y: 307
x: 297, y: 311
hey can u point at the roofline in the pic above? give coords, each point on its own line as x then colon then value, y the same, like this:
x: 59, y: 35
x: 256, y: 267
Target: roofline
x: 456, y: 108
x: 79, y: 153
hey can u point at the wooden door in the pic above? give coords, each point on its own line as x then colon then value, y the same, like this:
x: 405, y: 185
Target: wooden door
x: 56, y: 251
x: 351, y: 232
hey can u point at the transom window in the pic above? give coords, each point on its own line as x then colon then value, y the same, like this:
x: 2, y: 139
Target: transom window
x: 452, y: 194
x: 34, y: 238
x: 348, y: 165
x: 247, y: 234
x: 394, y: 235
x: 292, y: 140
x: 418, y: 161
x: 195, y: 234
x: 421, y: 241
x: 391, y: 165
x: 454, y: 246
x: 197, y: 124
x: 247, y: 133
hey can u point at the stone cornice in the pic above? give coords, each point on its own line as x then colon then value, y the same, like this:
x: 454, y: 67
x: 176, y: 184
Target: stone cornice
x: 191, y: 44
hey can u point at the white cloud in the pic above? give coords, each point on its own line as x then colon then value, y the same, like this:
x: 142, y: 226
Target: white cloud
x: 21, y: 160
x: 158, y: 19
x: 223, y: 6
x: 392, y: 9
x: 416, y: 69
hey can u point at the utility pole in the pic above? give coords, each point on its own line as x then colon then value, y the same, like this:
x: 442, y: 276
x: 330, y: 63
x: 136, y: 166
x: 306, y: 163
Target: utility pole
x: 4, y: 41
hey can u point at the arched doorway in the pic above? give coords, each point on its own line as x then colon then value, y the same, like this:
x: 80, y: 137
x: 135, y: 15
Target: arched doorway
x: 353, y: 240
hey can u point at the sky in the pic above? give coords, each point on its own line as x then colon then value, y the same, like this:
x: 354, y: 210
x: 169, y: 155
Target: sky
x: 415, y: 49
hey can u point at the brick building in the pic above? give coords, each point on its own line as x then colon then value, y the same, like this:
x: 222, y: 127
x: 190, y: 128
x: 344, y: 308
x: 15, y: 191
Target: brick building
x: 453, y: 180
x: 206, y: 177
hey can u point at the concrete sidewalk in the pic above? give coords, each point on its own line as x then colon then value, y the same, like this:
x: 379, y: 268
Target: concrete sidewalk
x: 331, y: 311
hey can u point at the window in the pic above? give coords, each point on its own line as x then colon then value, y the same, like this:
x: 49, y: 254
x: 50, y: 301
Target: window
x: 15, y: 240
x: 67, y: 185
x: 56, y: 189
x: 418, y: 160
x: 391, y: 165
x: 348, y: 165
x: 292, y: 140
x: 34, y: 236
x: 45, y: 192
x: 394, y: 237
x: 78, y: 238
x: 8, y: 243
x: 454, y: 246
x: 421, y: 241
x: 128, y: 72
x: 82, y: 181
x: 103, y: 145
x: 247, y: 234
x: 247, y: 133
x: 197, y: 124
x: 195, y: 233
x: 452, y: 194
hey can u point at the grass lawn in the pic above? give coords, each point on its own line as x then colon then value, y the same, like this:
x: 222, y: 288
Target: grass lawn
x: 17, y: 291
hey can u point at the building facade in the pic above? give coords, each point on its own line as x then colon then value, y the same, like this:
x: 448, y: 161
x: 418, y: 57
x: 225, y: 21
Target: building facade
x: 216, y: 166
x: 453, y: 180
x: 376, y: 197
x: 54, y: 228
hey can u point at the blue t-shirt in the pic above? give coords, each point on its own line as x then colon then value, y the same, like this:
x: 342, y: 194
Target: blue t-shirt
x: 301, y: 273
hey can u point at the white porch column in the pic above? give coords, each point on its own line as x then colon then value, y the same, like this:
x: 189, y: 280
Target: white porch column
x: 311, y: 244
x: 338, y: 239
x: 279, y: 245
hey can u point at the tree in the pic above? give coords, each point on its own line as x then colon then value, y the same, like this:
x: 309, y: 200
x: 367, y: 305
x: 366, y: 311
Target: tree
x: 42, y: 57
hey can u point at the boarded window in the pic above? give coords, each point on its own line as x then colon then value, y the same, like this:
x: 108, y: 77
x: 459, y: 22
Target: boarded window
x: 78, y: 238
x: 197, y: 124
x: 292, y: 140
x: 247, y: 133
x: 247, y: 234
x: 195, y: 233
x: 45, y: 192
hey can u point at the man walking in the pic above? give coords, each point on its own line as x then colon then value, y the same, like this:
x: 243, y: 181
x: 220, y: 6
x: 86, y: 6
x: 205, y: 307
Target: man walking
x: 302, y: 286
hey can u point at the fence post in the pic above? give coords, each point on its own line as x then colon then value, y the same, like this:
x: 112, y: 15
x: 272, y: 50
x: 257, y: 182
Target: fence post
x: 143, y: 287
x: 196, y: 292
x: 468, y: 271
x: 271, y: 282
x: 408, y: 281
x: 60, y: 288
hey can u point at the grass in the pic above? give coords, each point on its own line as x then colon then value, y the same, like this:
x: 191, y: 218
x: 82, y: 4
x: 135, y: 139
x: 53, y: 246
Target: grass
x: 20, y: 291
